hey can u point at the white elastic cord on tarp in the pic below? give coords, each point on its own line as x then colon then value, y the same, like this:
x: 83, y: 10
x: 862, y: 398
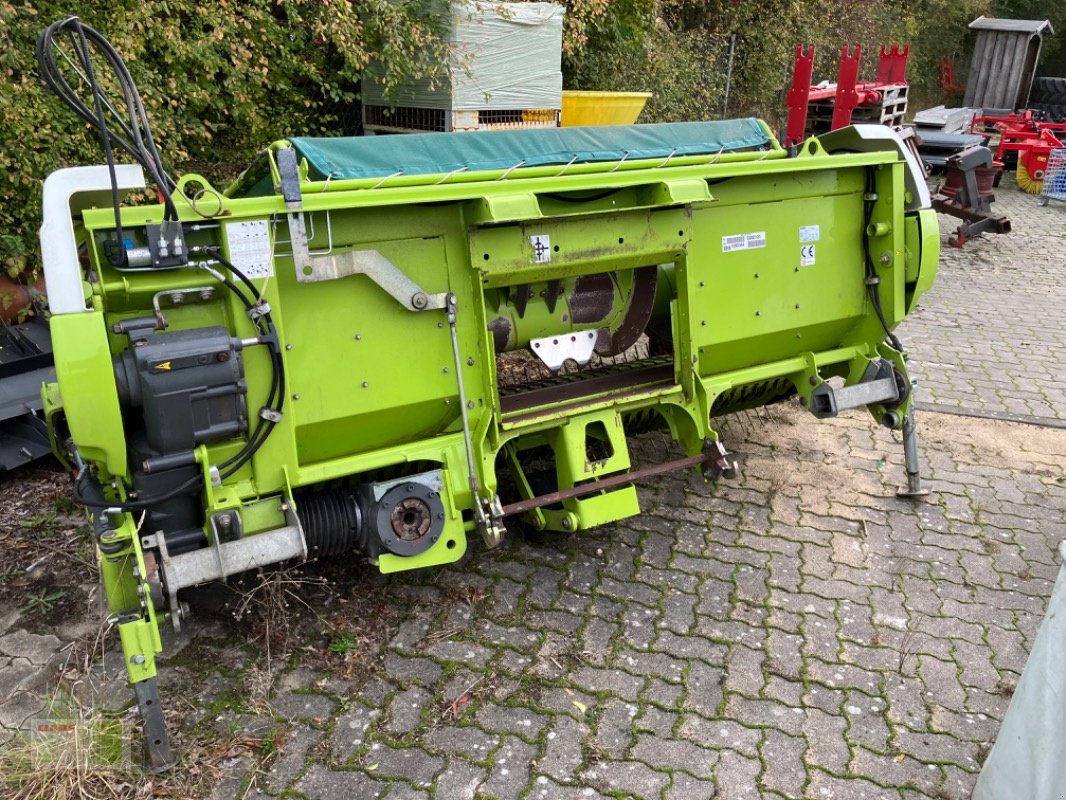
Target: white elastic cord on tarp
x: 569, y: 164
x: 450, y: 174
x: 667, y: 159
x: 396, y: 174
x: 511, y: 169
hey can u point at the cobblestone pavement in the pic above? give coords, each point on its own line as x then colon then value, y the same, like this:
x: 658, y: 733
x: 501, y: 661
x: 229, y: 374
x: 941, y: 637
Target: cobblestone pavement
x: 797, y: 633
x: 991, y: 334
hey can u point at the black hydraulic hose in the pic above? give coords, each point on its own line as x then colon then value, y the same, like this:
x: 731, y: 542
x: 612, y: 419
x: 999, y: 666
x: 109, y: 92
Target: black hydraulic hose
x: 276, y: 397
x: 87, y: 492
x: 872, y: 279
x: 128, y: 129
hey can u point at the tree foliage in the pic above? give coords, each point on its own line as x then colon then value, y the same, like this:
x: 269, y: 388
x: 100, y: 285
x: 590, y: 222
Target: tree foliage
x: 220, y: 80
x: 680, y: 49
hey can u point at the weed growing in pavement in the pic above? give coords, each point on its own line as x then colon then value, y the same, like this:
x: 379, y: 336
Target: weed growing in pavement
x: 343, y: 644
x: 43, y: 602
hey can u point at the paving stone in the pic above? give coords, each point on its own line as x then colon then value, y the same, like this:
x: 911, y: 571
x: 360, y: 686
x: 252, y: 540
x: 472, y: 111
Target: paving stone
x: 546, y: 789
x: 409, y: 763
x: 690, y: 646
x: 614, y: 729
x: 294, y: 705
x: 322, y: 783
x: 704, y: 685
x: 661, y: 693
x: 349, y: 731
x: 827, y: 744
x: 460, y: 652
x: 411, y: 632
x: 562, y: 754
x: 656, y: 665
x: 510, y: 772
x: 460, y: 781
x: 674, y: 754
x: 566, y: 701
x: 38, y: 649
x: 522, y: 722
x: 765, y: 713
x: 403, y: 669
x: 232, y: 775
x: 737, y: 776
x: 629, y: 777
x: 830, y: 787
x: 686, y: 787
x: 721, y: 733
x: 16, y: 709
x: 744, y: 671
x: 402, y: 791
x: 656, y: 721
x: 610, y: 681
x: 784, y: 771
x: 405, y: 712
x: 465, y: 740
x: 291, y: 760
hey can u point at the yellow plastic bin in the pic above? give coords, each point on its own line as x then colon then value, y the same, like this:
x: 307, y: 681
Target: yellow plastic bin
x: 602, y: 108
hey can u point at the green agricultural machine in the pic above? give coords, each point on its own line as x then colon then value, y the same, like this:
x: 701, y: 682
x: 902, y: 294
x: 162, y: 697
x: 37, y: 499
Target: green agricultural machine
x: 391, y: 344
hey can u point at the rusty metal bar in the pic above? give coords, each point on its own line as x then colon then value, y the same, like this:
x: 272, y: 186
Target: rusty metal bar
x: 611, y: 482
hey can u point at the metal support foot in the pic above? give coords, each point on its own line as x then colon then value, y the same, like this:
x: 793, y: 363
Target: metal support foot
x: 160, y: 757
x: 911, y: 460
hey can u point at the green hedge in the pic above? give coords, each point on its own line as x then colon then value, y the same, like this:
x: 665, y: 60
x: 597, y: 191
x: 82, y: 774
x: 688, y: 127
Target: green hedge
x: 679, y: 49
x: 220, y: 80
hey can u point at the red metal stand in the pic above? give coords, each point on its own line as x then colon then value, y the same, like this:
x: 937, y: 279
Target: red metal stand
x: 892, y: 68
x: 848, y: 93
x: 846, y: 98
x: 799, y: 95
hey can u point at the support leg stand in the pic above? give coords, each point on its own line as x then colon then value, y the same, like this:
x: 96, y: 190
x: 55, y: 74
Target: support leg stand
x: 157, y: 742
x: 911, y: 460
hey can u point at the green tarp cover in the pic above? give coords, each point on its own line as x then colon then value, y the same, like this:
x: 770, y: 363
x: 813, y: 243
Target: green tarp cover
x: 345, y: 158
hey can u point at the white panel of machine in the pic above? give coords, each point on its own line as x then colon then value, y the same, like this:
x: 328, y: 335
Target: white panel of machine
x: 1027, y: 759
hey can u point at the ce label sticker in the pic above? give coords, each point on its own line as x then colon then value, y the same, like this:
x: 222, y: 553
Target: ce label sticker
x: 807, y: 255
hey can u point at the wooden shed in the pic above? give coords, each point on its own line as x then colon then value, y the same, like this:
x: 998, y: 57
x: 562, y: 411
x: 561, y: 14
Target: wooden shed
x: 1004, y: 62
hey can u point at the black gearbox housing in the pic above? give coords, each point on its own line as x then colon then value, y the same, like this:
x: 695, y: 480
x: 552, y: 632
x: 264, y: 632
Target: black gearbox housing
x: 189, y: 384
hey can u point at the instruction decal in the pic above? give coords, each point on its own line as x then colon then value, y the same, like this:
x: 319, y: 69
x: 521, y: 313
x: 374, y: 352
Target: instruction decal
x: 249, y: 248
x: 807, y: 255
x: 743, y: 241
x: 810, y: 233
x: 542, y: 248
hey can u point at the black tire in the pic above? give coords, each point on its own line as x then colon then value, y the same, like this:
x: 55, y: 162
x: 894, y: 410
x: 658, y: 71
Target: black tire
x: 1048, y: 90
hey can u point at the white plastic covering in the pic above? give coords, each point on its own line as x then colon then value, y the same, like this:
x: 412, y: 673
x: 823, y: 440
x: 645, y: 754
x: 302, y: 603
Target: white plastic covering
x: 1029, y: 758
x: 67, y: 192
x: 504, y: 56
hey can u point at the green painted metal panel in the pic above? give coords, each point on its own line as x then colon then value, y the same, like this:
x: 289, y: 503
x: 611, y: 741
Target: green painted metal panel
x: 89, y: 396
x: 760, y: 268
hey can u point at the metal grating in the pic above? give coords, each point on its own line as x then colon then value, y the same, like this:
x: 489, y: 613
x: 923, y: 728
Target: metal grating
x: 1054, y: 187
x: 517, y: 117
x: 406, y: 118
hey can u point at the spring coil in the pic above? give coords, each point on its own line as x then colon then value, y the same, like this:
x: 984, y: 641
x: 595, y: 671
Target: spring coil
x: 332, y: 523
